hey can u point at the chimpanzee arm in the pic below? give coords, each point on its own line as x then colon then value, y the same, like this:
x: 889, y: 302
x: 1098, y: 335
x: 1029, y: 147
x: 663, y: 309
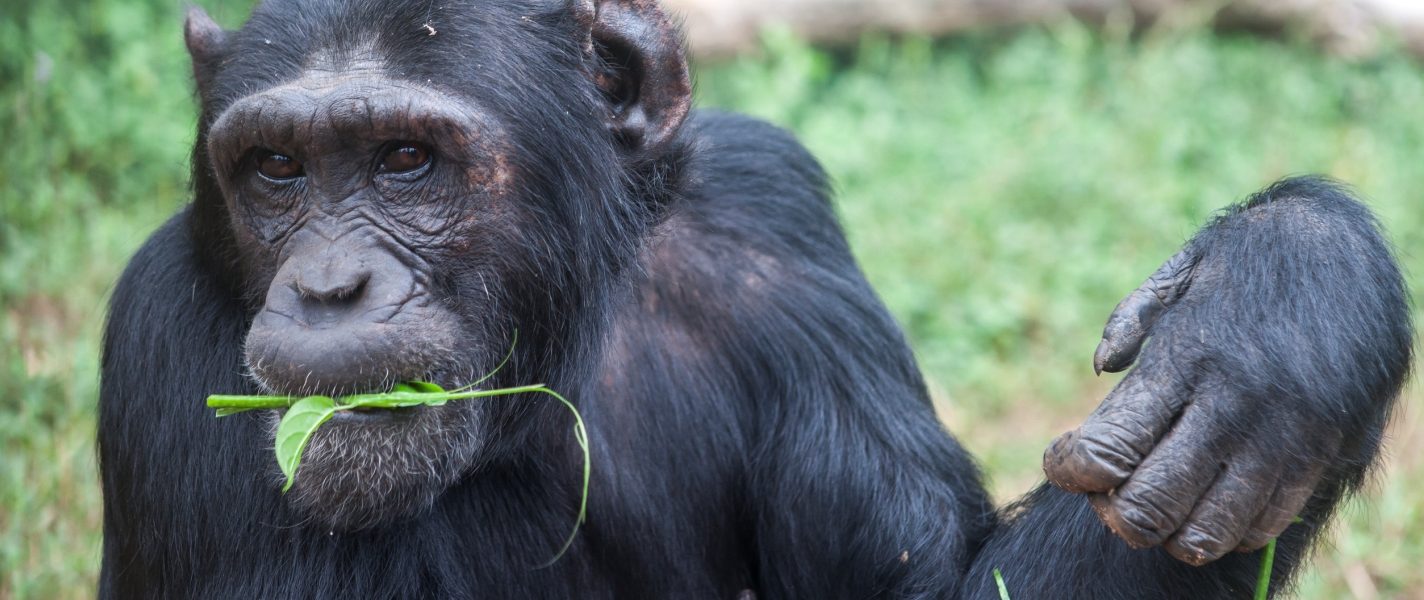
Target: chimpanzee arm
x: 857, y: 490
x: 1280, y: 338
x: 852, y: 487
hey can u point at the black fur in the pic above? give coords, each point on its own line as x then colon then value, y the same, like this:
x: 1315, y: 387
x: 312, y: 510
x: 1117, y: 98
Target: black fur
x: 756, y: 418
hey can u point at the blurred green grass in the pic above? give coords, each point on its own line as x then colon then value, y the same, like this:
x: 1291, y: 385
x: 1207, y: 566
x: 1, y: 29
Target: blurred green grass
x: 1003, y: 191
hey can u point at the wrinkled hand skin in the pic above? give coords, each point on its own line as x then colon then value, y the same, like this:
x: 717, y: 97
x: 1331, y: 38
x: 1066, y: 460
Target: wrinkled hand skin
x: 1279, y: 338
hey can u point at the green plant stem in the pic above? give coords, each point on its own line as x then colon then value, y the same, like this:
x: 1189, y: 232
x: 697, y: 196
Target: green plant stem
x: 581, y: 435
x: 250, y: 402
x: 1263, y: 580
x: 260, y: 402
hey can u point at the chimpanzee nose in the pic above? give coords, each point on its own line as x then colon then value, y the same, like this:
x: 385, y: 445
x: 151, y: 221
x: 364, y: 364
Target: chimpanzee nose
x: 328, y: 289
x: 342, y: 315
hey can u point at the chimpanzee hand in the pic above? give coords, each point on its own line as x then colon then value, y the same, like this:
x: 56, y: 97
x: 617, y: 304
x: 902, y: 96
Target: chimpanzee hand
x: 1279, y: 338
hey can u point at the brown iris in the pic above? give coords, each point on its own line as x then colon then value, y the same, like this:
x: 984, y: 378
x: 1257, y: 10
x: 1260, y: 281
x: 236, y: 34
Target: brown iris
x: 404, y: 157
x: 278, y: 166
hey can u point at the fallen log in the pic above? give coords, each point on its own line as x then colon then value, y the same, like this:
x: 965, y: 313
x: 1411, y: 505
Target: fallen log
x: 1353, y: 27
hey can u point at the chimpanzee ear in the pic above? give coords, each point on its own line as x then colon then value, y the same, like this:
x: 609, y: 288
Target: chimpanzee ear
x: 205, y: 41
x: 637, y: 61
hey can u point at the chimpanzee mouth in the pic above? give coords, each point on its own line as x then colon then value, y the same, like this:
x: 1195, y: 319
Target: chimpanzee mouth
x: 375, y: 415
x: 371, y: 466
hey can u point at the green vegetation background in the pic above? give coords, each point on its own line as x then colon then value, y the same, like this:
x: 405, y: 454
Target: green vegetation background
x: 1003, y: 191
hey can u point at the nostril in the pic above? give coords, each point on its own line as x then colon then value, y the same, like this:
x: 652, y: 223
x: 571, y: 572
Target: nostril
x: 352, y: 290
x: 332, y: 290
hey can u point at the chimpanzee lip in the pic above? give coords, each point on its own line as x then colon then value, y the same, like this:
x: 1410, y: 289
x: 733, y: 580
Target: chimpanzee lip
x: 362, y: 359
x: 374, y: 415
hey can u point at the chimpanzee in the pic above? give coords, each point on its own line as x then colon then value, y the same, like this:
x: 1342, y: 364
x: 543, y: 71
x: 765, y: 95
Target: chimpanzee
x: 388, y: 191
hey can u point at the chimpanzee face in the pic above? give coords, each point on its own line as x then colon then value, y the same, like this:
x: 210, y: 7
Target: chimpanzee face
x: 352, y: 195
x: 349, y: 194
x: 392, y: 224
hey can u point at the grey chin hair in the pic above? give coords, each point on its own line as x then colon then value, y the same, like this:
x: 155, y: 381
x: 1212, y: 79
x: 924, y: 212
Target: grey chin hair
x: 362, y: 475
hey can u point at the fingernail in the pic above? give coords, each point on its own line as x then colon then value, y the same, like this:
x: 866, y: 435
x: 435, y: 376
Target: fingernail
x: 1100, y: 357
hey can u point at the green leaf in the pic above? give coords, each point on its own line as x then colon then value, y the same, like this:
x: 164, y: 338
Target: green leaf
x: 425, y: 387
x: 296, y: 429
x: 999, y: 580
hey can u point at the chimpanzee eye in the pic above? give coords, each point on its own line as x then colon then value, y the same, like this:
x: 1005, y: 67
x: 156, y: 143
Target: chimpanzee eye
x: 278, y: 166
x: 404, y: 157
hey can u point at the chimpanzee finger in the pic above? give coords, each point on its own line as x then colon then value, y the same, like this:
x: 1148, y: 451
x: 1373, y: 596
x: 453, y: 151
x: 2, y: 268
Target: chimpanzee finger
x: 1284, y: 506
x: 1132, y: 320
x: 1155, y: 502
x: 1103, y: 452
x: 1224, y: 514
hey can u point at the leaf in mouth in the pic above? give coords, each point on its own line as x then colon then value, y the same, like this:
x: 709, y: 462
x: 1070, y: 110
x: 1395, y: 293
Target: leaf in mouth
x: 296, y: 429
x: 305, y: 415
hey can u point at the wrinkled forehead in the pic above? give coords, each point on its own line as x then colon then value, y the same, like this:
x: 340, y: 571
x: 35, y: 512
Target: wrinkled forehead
x: 322, y: 74
x: 322, y: 109
x: 343, y: 97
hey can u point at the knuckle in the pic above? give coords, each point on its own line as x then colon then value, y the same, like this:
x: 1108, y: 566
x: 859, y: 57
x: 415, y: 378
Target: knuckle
x: 1187, y: 555
x: 1113, y: 458
x: 1055, y: 458
x: 1148, y: 509
x: 1140, y: 523
x: 1137, y: 530
x: 1121, y: 437
x: 1201, y: 543
x: 1121, y: 324
x: 1079, y: 463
